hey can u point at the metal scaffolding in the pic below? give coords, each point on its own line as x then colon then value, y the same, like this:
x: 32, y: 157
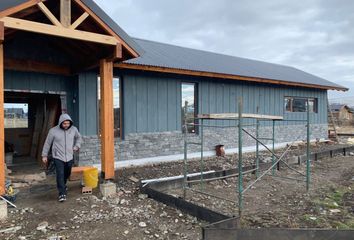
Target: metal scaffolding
x: 199, y: 121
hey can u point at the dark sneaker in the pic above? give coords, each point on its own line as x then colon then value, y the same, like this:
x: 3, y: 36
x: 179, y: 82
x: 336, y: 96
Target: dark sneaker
x: 62, y: 198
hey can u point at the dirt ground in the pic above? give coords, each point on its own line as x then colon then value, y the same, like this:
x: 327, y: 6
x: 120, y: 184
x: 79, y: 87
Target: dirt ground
x: 130, y: 215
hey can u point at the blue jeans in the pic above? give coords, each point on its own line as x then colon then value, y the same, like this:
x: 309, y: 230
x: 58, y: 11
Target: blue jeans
x: 63, y: 171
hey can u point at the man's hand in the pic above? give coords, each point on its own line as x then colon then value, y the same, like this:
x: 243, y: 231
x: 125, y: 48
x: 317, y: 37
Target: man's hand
x: 76, y: 149
x: 45, y: 160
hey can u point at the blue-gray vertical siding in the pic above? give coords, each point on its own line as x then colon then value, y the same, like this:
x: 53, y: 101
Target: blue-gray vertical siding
x: 152, y: 102
x: 87, y: 103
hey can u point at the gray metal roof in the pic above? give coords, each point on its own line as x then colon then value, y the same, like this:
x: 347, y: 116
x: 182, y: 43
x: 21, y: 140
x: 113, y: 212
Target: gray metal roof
x: 5, y: 4
x: 170, y: 56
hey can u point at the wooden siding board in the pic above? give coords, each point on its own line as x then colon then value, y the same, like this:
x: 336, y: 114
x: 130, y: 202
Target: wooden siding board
x: 152, y: 106
x: 172, y: 105
x: 162, y: 107
x: 130, y: 114
x: 142, y: 100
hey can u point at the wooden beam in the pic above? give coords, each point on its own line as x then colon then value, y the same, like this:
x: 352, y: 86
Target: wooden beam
x: 2, y: 32
x: 220, y: 75
x: 117, y: 53
x: 18, y: 8
x: 79, y: 20
x: 2, y: 126
x: 36, y: 27
x: 36, y: 66
x: 65, y: 13
x: 49, y: 14
x: 107, y: 119
x: 236, y: 116
x: 106, y: 27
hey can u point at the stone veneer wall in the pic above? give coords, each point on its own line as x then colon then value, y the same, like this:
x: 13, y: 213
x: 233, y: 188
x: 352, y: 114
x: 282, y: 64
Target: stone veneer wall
x: 146, y: 145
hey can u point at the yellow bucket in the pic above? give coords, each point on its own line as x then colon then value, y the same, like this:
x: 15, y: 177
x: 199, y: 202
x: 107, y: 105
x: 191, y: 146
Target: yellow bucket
x: 91, y: 177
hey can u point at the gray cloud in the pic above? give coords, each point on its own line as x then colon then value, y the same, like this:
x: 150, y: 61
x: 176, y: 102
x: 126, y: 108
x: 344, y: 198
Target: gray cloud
x: 314, y: 35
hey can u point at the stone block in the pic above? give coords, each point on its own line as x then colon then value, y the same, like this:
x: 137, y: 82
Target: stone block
x: 108, y: 189
x: 3, y: 210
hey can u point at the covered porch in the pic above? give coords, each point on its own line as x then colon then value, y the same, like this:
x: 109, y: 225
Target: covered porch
x: 62, y: 38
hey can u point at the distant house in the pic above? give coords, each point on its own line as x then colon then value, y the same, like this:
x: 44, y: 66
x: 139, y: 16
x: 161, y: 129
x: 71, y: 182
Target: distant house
x: 342, y: 113
x: 14, y: 113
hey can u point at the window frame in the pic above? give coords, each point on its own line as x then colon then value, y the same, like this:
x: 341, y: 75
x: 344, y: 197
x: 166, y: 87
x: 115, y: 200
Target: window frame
x: 196, y: 105
x: 121, y: 132
x: 28, y: 116
x: 307, y: 99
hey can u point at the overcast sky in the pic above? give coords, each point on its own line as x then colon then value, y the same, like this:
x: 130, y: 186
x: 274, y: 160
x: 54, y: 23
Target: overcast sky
x: 316, y: 36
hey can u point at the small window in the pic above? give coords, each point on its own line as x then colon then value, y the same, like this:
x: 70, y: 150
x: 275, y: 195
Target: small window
x: 16, y: 115
x: 189, y: 95
x: 116, y: 104
x: 299, y: 104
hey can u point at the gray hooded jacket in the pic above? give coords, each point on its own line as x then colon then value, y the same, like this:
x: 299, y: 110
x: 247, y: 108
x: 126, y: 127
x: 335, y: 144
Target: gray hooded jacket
x: 62, y: 141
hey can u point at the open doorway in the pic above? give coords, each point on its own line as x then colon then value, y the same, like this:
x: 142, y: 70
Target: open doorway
x: 28, y: 118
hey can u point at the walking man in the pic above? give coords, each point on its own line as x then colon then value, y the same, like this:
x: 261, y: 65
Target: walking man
x: 63, y: 140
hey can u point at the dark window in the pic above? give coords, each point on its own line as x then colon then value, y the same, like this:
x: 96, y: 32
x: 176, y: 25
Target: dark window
x: 299, y: 104
x: 16, y: 115
x: 116, y: 105
x: 189, y: 96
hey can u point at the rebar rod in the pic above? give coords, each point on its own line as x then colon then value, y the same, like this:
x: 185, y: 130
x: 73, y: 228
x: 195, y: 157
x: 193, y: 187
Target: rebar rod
x: 308, y: 166
x: 257, y: 148
x: 240, y: 177
x: 185, y: 168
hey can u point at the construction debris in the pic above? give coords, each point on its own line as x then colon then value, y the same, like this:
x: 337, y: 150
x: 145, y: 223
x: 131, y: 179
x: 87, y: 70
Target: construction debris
x: 134, y: 179
x: 11, y: 230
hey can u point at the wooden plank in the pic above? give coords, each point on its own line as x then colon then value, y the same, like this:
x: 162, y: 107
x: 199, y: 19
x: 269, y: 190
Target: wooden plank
x: 107, y: 119
x: 36, y: 66
x: 37, y: 128
x: 65, y: 13
x: 47, y: 29
x: 49, y: 14
x: 117, y: 53
x: 106, y: 27
x: 235, y: 116
x: 2, y: 32
x: 80, y: 20
x: 2, y: 119
x: 221, y: 75
x: 19, y: 8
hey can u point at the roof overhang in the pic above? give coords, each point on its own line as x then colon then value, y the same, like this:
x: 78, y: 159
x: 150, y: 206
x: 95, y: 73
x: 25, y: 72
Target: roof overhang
x: 222, y: 76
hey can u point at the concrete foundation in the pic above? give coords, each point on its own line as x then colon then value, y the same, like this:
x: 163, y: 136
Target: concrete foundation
x: 108, y: 189
x: 3, y: 210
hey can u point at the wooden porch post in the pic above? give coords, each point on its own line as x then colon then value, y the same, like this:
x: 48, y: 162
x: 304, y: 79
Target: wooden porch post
x: 2, y: 126
x: 107, y: 119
